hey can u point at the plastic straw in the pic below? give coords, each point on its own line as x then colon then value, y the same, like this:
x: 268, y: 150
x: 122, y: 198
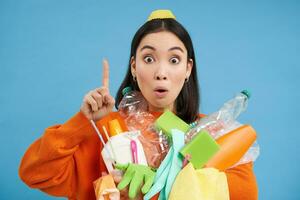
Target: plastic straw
x: 110, y: 144
x: 100, y: 136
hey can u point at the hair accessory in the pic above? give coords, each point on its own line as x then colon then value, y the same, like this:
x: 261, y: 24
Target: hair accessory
x: 161, y: 14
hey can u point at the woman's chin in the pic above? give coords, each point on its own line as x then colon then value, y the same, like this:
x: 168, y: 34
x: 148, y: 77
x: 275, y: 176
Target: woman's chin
x: 159, y: 107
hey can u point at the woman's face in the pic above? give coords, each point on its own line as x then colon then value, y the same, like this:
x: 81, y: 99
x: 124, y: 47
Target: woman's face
x: 160, y: 68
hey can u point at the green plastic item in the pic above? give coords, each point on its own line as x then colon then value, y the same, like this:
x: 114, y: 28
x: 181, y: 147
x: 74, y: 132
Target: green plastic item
x: 168, y: 121
x: 200, y: 149
x: 138, y: 177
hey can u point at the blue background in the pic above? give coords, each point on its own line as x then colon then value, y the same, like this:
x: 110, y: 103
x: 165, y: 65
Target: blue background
x: 51, y: 53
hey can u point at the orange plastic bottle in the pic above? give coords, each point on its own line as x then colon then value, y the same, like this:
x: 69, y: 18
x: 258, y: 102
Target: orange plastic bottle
x: 233, y: 146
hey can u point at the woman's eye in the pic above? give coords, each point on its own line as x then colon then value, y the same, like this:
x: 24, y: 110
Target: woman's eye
x: 148, y: 59
x: 174, y: 60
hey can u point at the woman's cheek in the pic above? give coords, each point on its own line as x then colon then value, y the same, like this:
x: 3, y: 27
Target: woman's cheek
x: 142, y: 79
x: 178, y: 83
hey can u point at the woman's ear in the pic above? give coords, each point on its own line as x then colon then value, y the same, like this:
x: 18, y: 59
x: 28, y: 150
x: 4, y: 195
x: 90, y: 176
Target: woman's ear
x: 132, y: 66
x: 189, y: 68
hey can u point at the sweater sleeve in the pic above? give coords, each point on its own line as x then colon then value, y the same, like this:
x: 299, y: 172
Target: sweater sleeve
x: 48, y: 164
x: 242, y: 182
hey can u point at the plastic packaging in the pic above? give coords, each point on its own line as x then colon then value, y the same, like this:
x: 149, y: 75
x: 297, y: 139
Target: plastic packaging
x: 155, y: 144
x: 224, y: 121
x: 233, y: 146
x: 217, y: 122
x: 114, y: 127
x: 134, y: 108
x: 119, y: 146
x: 251, y: 155
x: 132, y: 102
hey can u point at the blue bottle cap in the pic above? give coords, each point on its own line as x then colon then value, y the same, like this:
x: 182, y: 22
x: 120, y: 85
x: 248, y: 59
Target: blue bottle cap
x: 247, y: 93
x: 126, y: 90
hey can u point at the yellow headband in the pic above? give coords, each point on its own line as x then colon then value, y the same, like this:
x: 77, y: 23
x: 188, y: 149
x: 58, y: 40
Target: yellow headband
x: 161, y: 14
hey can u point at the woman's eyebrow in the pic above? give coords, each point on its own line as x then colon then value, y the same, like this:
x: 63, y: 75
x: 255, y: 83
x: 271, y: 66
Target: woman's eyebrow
x: 147, y: 47
x: 176, y: 48
x: 152, y: 48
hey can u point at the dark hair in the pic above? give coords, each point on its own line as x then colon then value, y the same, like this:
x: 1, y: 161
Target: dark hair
x: 187, y: 102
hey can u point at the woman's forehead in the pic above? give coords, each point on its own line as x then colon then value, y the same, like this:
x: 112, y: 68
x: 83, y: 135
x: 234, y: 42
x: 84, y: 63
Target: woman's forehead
x: 161, y: 41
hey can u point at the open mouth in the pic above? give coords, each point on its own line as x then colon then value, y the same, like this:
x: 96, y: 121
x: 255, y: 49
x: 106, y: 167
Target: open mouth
x: 160, y: 92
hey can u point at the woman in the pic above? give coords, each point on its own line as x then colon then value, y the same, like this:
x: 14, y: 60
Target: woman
x: 66, y: 159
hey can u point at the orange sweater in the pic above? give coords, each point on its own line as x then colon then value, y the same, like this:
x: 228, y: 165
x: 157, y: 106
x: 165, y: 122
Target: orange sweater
x: 66, y: 160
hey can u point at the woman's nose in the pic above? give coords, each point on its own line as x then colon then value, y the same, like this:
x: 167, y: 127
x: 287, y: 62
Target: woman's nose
x: 160, y: 77
x: 161, y: 73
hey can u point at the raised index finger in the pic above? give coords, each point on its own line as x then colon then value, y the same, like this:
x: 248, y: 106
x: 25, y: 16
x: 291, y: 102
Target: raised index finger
x: 105, y: 74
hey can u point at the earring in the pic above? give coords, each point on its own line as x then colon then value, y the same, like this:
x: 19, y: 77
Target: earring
x: 134, y: 78
x: 186, y: 79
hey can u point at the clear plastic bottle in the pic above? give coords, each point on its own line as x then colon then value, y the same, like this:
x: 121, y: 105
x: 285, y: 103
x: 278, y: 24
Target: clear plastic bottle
x: 134, y: 108
x: 217, y: 122
x: 132, y: 102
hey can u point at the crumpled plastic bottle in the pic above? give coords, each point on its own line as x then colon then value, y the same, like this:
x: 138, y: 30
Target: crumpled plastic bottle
x: 134, y: 108
x: 223, y: 118
x: 132, y: 102
x: 224, y: 121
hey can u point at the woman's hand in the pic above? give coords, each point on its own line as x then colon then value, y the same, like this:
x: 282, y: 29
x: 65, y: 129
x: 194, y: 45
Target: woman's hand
x: 98, y: 102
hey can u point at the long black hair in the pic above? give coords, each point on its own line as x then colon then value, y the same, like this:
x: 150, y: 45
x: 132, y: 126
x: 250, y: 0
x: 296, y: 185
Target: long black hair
x: 187, y: 102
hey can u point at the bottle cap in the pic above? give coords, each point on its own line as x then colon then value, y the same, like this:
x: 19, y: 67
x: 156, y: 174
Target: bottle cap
x: 247, y: 93
x: 126, y: 90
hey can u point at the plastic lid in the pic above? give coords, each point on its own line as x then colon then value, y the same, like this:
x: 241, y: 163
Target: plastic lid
x: 126, y: 90
x: 247, y: 93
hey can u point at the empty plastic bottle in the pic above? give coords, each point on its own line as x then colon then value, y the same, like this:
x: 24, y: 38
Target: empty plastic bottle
x: 134, y: 108
x: 221, y: 120
x: 132, y: 102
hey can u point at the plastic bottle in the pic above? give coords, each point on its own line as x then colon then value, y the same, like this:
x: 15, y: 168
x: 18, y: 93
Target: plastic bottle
x: 132, y: 102
x: 216, y: 123
x: 134, y: 108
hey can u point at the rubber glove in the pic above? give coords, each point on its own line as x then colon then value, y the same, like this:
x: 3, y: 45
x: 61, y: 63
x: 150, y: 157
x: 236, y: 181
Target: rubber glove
x: 176, y: 162
x: 169, y: 168
x: 134, y: 176
x: 161, y: 177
